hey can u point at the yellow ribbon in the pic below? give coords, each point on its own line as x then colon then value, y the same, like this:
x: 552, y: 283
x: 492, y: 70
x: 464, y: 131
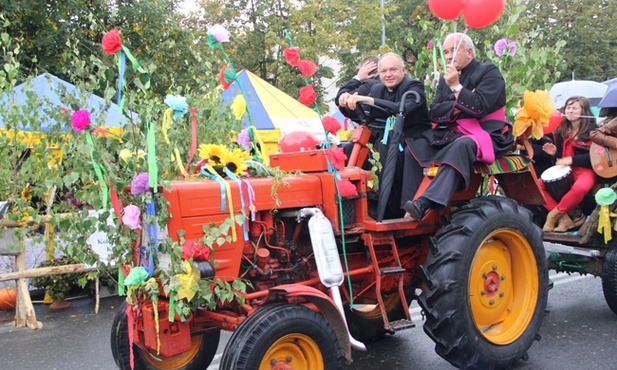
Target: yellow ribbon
x: 165, y: 126
x: 188, y: 281
x: 604, y: 223
x: 234, y: 236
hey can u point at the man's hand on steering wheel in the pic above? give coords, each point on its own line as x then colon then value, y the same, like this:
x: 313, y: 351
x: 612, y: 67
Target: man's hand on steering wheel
x: 370, y: 112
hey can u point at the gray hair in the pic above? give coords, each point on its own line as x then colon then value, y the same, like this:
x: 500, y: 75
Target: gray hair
x: 467, y: 42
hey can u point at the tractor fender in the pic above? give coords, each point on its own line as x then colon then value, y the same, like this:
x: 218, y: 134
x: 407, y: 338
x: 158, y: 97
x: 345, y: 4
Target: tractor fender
x: 325, y: 304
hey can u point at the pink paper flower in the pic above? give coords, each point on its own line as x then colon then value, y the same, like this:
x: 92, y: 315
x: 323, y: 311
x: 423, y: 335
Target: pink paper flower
x: 307, y: 68
x: 220, y: 33
x: 331, y: 124
x: 307, y: 95
x: 112, y: 42
x: 346, y: 188
x: 131, y: 217
x: 505, y: 46
x: 429, y: 44
x: 80, y: 120
x: 244, y: 139
x: 292, y: 56
x: 140, y: 184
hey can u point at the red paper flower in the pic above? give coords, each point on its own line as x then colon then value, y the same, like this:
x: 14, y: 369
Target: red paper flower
x: 307, y: 95
x: 292, y: 56
x: 194, y: 249
x: 331, y: 124
x: 337, y: 158
x: 307, y: 68
x: 346, y: 188
x: 224, y: 83
x: 112, y: 42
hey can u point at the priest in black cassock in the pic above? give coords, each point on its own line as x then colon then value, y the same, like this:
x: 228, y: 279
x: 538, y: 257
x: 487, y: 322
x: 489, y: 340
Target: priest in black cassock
x: 470, y: 125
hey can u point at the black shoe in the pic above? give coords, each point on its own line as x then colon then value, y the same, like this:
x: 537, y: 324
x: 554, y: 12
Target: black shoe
x: 417, y: 209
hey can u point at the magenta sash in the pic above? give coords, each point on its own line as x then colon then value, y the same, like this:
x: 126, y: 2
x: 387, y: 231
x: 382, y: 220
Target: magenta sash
x: 470, y: 127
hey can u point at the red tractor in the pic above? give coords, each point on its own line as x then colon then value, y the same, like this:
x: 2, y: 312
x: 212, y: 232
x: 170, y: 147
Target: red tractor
x: 326, y: 276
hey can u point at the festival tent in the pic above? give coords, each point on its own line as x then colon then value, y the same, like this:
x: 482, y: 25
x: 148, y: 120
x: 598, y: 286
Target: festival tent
x: 273, y: 112
x: 55, y: 94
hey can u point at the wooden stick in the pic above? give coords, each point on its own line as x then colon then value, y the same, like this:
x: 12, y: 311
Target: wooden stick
x: 44, y: 271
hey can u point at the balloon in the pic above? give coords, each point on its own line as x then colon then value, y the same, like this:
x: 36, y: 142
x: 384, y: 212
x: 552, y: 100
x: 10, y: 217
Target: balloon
x: 481, y: 13
x: 445, y: 9
x: 553, y: 122
x: 298, y: 141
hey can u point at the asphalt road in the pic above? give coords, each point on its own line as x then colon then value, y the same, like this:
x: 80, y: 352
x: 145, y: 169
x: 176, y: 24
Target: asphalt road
x: 579, y: 333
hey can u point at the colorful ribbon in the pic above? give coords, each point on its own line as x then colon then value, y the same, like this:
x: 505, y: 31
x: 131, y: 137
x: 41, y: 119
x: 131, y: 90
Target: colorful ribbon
x: 222, y: 181
x: 251, y: 194
x: 98, y: 169
x: 237, y: 180
x: 153, y: 171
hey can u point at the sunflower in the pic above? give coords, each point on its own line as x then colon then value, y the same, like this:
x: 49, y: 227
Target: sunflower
x: 212, y: 152
x: 241, y: 153
x: 234, y: 162
x: 26, y: 193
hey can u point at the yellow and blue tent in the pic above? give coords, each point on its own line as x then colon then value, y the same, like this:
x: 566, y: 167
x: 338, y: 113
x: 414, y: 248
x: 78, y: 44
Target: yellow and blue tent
x: 274, y: 113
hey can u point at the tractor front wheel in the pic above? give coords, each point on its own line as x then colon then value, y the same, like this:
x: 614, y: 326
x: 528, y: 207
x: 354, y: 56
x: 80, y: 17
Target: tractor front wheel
x: 609, y: 277
x: 486, y: 285
x: 283, y: 336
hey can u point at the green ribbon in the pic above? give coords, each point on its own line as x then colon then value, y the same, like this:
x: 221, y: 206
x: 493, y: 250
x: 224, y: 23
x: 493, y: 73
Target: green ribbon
x: 121, y: 291
x: 137, y: 67
x: 98, y: 169
x: 153, y: 171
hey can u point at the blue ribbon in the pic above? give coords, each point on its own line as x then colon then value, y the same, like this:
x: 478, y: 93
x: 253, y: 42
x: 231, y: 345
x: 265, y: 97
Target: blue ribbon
x: 221, y: 184
x: 239, y: 182
x: 121, y: 69
x: 152, y: 240
x: 386, y: 131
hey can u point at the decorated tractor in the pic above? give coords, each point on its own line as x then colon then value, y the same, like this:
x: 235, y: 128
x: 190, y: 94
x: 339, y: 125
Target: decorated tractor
x: 323, y: 276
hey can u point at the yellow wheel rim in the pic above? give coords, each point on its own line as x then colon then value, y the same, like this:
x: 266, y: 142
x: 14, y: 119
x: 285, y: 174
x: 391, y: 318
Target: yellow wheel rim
x: 293, y: 351
x: 175, y: 362
x: 503, y: 286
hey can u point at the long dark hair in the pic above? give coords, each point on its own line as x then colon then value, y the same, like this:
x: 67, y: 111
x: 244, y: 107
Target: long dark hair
x: 588, y: 120
x: 609, y: 113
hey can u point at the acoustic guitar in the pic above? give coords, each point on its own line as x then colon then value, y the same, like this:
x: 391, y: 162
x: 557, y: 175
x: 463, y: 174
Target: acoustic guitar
x: 603, y: 160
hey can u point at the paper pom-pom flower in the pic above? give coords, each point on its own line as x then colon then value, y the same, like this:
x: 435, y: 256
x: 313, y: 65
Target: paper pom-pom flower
x: 292, y: 56
x: 307, y: 95
x: 178, y: 104
x: 337, y: 158
x: 307, y: 68
x: 238, y: 106
x: 194, y: 249
x: 112, y: 42
x: 217, y: 34
x: 331, y: 124
x: 346, y: 188
x: 80, y: 120
x: 535, y: 113
x: 244, y: 139
x: 505, y: 46
x: 227, y: 75
x: 131, y: 217
x: 140, y: 184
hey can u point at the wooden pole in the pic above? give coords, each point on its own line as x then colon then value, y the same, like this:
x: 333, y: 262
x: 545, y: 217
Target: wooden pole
x: 24, y: 310
x: 44, y: 271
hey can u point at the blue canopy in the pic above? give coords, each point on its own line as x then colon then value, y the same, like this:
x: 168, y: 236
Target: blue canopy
x: 54, y: 94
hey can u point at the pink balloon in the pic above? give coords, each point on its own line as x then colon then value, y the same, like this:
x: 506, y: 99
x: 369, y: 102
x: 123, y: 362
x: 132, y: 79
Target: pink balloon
x: 445, y: 9
x: 482, y: 13
x: 553, y: 122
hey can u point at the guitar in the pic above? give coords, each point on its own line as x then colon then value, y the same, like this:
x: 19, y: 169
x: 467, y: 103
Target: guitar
x: 603, y: 160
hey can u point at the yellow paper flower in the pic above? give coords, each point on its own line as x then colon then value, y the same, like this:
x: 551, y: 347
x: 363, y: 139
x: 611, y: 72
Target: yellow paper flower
x: 234, y: 163
x: 535, y: 113
x: 188, y: 282
x: 213, y: 152
x: 126, y: 154
x: 238, y: 106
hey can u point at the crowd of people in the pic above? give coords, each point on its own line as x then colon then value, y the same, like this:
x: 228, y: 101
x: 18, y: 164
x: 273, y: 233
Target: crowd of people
x: 465, y: 124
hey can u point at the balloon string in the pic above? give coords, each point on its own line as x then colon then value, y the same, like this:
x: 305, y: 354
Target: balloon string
x: 460, y: 41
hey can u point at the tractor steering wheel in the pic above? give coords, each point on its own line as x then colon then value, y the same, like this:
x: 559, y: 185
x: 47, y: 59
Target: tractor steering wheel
x: 366, y: 112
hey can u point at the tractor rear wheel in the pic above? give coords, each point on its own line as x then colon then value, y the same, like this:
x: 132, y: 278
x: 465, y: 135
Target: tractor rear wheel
x: 486, y: 285
x: 283, y: 336
x: 609, y: 277
x: 200, y: 356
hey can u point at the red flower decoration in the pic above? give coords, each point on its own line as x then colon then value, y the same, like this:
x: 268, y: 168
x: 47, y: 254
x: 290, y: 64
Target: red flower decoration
x: 331, y: 124
x: 346, y: 188
x: 307, y: 67
x: 307, y: 95
x: 292, y: 56
x: 194, y: 249
x: 337, y: 158
x: 112, y: 42
x: 224, y: 83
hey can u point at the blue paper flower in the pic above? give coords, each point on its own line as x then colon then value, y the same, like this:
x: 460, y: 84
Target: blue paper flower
x: 178, y: 104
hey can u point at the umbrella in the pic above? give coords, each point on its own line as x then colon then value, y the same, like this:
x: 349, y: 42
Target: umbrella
x: 609, y: 100
x: 592, y: 90
x: 389, y: 167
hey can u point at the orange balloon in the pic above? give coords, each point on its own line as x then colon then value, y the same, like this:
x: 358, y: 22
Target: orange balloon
x: 8, y: 298
x: 482, y: 13
x: 553, y: 122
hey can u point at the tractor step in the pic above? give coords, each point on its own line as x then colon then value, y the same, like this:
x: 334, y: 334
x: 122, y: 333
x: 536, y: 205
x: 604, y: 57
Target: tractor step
x: 403, y: 324
x: 394, y: 270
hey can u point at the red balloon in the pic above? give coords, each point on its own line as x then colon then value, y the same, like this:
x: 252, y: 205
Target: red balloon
x: 481, y: 13
x: 553, y: 122
x: 445, y: 9
x: 298, y: 141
